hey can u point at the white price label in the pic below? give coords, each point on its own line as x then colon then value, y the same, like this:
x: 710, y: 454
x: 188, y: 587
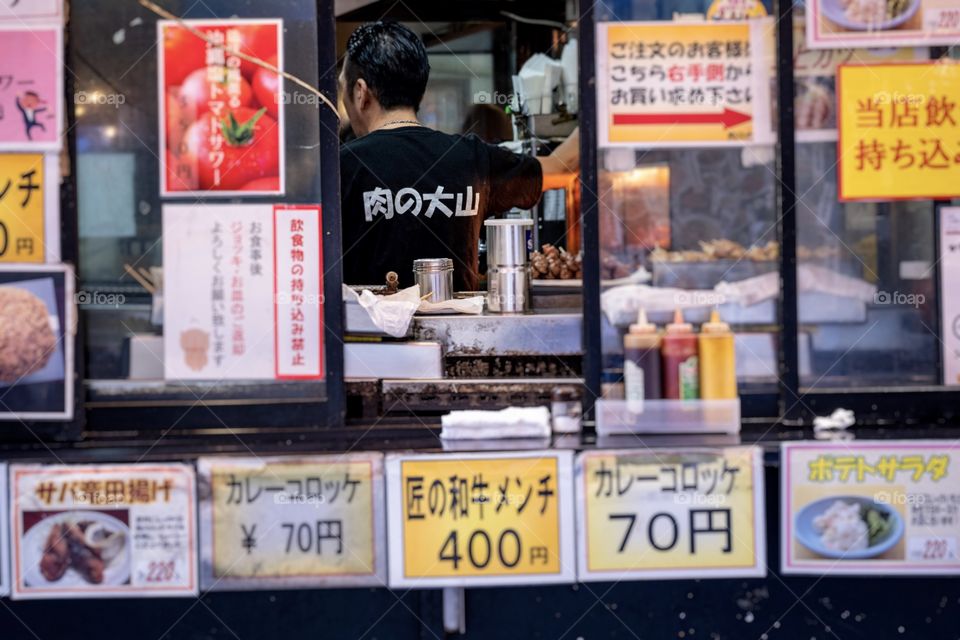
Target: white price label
x: 942, y: 19
x: 931, y: 548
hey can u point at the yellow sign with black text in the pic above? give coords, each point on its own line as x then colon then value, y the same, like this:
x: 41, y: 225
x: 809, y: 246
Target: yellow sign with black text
x: 480, y: 519
x: 21, y: 207
x: 899, y: 129
x: 670, y: 514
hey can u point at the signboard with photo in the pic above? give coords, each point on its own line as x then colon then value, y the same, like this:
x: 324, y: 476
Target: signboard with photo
x: 870, y: 508
x: 221, y: 116
x: 833, y: 24
x: 243, y: 292
x: 103, y: 531
x: 37, y: 331
x: 31, y: 88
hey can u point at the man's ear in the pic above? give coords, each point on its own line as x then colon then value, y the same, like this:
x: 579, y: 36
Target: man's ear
x: 361, y: 93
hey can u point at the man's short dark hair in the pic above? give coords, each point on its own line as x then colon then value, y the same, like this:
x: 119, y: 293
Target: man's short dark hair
x: 392, y: 60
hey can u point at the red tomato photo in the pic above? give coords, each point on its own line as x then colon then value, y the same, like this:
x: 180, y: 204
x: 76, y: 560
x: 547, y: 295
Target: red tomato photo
x: 221, y: 115
x: 249, y: 149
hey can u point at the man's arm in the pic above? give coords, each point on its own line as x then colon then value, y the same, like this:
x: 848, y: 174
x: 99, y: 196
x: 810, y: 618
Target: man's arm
x: 560, y: 166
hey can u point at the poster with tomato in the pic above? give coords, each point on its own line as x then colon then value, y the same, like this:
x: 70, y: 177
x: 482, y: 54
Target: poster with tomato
x: 221, y: 121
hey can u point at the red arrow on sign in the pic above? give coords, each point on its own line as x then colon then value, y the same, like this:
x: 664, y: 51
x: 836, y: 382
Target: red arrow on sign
x: 728, y: 118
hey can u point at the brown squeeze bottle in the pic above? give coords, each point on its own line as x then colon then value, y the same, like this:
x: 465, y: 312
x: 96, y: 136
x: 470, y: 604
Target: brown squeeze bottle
x: 641, y: 363
x: 681, y: 375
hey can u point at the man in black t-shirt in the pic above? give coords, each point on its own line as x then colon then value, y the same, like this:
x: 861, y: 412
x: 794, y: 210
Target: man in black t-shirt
x: 410, y: 192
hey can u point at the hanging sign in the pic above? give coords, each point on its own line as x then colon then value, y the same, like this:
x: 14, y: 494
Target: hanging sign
x: 99, y: 531
x: 899, y: 129
x: 883, y: 508
x: 833, y: 24
x: 31, y: 88
x: 221, y: 121
x: 292, y: 522
x: 950, y: 293
x: 37, y: 331
x: 685, y: 513
x: 243, y: 292
x: 684, y: 84
x: 480, y: 519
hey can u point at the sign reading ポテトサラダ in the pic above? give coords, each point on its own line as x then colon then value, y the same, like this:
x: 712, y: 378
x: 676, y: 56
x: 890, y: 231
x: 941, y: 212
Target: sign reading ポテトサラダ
x: 899, y: 129
x: 675, y: 84
x: 243, y: 292
x: 97, y: 531
x: 672, y: 513
x: 292, y: 522
x: 870, y: 508
x: 480, y: 519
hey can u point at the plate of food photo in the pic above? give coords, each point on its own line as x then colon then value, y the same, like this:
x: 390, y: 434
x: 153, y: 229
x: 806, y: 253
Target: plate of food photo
x: 77, y: 549
x: 848, y: 527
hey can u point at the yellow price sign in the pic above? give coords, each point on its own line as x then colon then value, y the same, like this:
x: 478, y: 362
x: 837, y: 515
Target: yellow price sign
x: 472, y: 519
x: 899, y: 129
x: 21, y: 207
x: 670, y: 513
x: 310, y: 521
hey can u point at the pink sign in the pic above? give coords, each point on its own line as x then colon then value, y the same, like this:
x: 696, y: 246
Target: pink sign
x: 31, y: 80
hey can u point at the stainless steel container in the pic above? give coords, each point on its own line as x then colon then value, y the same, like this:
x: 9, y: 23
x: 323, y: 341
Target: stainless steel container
x: 507, y: 242
x: 508, y: 266
x: 435, y: 276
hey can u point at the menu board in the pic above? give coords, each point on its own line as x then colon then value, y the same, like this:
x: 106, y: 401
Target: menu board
x: 672, y: 513
x: 221, y: 121
x: 98, y: 531
x: 4, y: 534
x: 859, y: 508
x: 313, y: 521
x: 31, y: 87
x: 684, y: 84
x: 480, y: 519
x: 950, y: 293
x: 243, y: 292
x: 899, y: 131
x: 37, y: 330
x: 833, y: 24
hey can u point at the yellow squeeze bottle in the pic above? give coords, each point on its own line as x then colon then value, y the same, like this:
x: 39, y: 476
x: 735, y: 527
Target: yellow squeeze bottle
x: 718, y: 362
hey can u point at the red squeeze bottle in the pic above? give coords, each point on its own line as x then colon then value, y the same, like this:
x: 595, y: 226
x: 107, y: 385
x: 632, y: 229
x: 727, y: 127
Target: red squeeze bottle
x: 681, y: 371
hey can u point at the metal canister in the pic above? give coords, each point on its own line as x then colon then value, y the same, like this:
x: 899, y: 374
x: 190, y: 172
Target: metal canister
x: 508, y: 266
x: 435, y: 276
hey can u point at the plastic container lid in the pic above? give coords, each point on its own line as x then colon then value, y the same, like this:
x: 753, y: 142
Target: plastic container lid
x: 679, y: 325
x: 641, y: 325
x: 715, y: 324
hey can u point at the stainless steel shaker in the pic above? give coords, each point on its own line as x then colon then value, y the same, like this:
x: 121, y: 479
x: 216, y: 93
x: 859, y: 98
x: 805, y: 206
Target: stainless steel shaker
x: 435, y: 276
x: 508, y: 265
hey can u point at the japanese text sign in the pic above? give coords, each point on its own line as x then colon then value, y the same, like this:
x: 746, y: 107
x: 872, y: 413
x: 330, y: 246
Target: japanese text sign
x: 97, y: 531
x: 950, y: 292
x: 834, y: 24
x: 480, y: 519
x: 292, y: 522
x: 221, y: 116
x: 863, y: 507
x: 4, y: 533
x: 663, y: 84
x: 22, y: 215
x: 31, y: 88
x: 899, y: 129
x: 670, y: 514
x: 244, y: 292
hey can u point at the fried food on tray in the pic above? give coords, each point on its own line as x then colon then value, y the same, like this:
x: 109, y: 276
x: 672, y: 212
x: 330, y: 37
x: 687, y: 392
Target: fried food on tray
x: 56, y: 554
x: 66, y: 547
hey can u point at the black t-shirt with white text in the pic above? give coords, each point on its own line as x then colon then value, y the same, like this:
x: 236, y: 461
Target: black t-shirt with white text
x: 412, y: 192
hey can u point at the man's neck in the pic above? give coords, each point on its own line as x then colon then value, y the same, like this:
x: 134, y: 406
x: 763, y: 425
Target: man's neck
x: 394, y: 117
